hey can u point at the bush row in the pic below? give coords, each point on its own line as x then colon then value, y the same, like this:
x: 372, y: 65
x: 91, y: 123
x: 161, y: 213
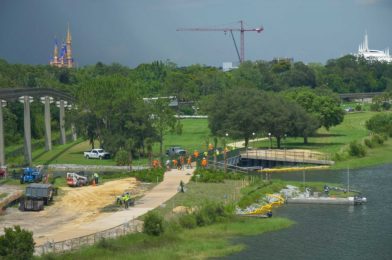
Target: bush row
x: 210, y: 213
x: 148, y: 175
x: 215, y: 176
x: 357, y: 149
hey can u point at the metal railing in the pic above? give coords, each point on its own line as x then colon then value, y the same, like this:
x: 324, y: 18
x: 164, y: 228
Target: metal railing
x: 131, y: 226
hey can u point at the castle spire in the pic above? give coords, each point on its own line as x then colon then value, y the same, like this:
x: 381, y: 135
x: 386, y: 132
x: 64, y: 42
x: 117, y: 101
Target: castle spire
x: 69, y: 49
x: 55, y: 60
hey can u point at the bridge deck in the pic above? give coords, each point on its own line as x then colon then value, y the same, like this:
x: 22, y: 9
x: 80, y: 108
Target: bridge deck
x: 297, y: 156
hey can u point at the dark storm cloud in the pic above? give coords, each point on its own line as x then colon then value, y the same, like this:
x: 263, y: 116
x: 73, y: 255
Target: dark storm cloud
x: 134, y: 32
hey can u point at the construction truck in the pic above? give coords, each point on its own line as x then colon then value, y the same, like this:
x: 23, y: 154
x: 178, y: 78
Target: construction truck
x: 36, y: 196
x: 31, y: 174
x: 77, y: 179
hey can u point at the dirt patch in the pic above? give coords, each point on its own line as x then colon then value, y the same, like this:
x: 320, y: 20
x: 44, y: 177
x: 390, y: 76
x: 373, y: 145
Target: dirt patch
x: 73, y: 208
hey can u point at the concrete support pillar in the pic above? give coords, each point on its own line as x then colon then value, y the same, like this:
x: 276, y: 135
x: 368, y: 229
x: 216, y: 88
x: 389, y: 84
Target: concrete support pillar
x: 3, y: 103
x: 74, y: 135
x: 62, y: 104
x: 26, y: 100
x: 48, y: 130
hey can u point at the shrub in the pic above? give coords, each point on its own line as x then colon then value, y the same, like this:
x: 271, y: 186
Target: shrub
x: 378, y: 139
x: 386, y: 105
x: 369, y: 143
x: 149, y: 175
x: 358, y: 107
x: 122, y: 157
x: 153, y: 224
x: 375, y: 107
x: 188, y: 221
x: 214, y: 176
x: 16, y: 243
x: 356, y: 149
x: 380, y: 124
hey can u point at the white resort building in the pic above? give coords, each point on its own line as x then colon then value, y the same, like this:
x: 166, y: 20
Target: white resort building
x: 372, y: 55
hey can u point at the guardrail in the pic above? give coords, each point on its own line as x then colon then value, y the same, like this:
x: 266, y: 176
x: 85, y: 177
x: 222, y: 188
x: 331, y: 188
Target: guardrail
x: 129, y: 227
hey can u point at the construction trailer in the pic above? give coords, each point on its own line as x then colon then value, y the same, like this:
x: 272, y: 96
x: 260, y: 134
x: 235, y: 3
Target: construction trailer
x: 36, y: 196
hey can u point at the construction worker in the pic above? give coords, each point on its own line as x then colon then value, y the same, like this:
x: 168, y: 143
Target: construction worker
x: 155, y: 164
x: 96, y: 178
x: 175, y: 162
x: 182, y: 161
x: 189, y: 162
x: 196, y: 154
x: 126, y: 200
x: 168, y: 168
x: 204, y: 162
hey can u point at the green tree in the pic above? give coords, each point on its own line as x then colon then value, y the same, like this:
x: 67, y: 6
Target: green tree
x: 16, y: 243
x: 236, y: 112
x: 163, y: 120
x: 380, y: 124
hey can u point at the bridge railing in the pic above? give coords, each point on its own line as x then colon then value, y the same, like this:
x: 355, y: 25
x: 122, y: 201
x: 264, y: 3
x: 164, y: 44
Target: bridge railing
x: 287, y: 155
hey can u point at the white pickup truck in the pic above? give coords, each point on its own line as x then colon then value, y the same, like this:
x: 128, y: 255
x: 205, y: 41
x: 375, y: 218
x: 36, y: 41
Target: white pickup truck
x: 97, y: 154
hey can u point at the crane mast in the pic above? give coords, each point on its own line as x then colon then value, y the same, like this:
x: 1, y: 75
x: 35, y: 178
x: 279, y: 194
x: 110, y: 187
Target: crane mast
x: 242, y: 31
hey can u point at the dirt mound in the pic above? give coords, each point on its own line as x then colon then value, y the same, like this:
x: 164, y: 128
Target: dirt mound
x: 72, y: 208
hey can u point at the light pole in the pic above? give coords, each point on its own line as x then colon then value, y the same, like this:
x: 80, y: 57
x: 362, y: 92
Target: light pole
x: 225, y: 152
x: 269, y: 136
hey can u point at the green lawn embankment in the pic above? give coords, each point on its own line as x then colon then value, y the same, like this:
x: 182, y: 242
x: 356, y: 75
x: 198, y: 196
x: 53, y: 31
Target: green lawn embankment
x: 199, y: 243
x: 337, y: 138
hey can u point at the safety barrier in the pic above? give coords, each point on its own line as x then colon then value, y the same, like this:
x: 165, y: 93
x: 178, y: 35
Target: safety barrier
x: 131, y: 226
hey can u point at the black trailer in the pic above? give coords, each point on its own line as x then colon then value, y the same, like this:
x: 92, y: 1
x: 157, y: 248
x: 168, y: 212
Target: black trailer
x: 36, y: 196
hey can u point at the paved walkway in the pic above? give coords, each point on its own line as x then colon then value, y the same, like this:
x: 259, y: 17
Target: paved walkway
x: 241, y: 144
x: 152, y: 199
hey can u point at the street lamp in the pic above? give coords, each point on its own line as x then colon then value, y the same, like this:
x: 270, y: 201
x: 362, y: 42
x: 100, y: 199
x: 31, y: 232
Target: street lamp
x: 269, y: 136
x: 225, y: 152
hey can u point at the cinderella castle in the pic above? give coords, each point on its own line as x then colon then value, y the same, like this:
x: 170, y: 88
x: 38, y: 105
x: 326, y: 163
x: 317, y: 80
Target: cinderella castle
x: 63, y: 58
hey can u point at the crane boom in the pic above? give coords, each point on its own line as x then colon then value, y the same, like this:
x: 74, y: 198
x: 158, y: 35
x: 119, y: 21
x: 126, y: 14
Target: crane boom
x: 242, y: 31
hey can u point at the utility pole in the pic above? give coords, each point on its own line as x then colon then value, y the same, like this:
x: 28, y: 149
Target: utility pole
x: 242, y: 31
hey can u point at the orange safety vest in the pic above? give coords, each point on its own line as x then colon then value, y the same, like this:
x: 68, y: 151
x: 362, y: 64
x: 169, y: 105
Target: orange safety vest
x: 196, y: 154
x: 204, y: 163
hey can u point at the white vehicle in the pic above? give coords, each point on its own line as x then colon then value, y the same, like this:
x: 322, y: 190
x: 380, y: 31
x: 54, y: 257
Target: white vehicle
x: 76, y: 180
x: 97, y: 154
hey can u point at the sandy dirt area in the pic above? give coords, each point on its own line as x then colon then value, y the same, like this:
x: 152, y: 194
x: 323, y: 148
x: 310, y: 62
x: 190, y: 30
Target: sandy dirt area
x: 73, y: 208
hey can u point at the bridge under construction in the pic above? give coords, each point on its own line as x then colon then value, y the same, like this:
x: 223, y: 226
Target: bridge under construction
x: 267, y: 158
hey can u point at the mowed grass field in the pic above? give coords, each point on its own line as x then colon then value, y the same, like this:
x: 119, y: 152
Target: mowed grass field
x: 194, y: 133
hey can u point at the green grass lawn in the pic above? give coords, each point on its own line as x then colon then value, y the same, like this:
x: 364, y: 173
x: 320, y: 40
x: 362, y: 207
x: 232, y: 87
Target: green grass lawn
x: 193, y: 137
x: 176, y: 243
x: 198, y: 193
x: 196, y: 132
x: 330, y: 142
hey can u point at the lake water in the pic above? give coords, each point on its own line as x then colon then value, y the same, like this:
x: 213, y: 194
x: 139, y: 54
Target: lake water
x: 332, y: 231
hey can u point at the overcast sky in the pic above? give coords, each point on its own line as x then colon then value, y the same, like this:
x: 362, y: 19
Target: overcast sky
x: 132, y: 32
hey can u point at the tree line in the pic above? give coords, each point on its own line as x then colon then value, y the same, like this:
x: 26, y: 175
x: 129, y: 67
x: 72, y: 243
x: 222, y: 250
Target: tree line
x: 280, y: 97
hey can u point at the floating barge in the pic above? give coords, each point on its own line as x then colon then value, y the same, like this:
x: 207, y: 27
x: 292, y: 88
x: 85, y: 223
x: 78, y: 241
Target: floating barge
x: 327, y: 200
